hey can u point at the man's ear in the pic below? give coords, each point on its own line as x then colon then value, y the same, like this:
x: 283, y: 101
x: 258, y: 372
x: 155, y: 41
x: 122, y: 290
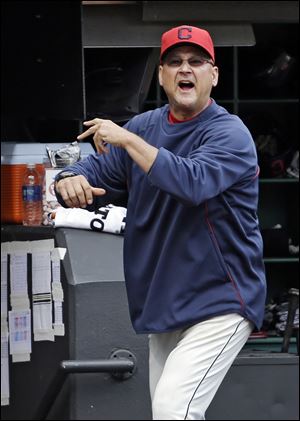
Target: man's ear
x: 215, y: 76
x: 160, y: 69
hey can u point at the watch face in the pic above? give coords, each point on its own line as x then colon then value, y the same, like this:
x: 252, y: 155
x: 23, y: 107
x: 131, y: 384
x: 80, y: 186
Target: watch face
x: 67, y: 174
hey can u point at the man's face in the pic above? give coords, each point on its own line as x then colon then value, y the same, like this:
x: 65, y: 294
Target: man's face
x: 187, y: 76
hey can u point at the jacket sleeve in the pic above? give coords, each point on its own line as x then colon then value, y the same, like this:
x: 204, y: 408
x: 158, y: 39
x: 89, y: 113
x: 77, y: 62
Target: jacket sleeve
x: 223, y: 160
x: 107, y: 171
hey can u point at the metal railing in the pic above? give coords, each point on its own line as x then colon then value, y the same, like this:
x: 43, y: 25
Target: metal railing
x: 121, y: 364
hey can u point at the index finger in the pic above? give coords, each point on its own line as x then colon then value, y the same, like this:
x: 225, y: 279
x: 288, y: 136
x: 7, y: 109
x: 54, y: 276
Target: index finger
x: 92, y: 122
x: 85, y: 134
x: 87, y: 188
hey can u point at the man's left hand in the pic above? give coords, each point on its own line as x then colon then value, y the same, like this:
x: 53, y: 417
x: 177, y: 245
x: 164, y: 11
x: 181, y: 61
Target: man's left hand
x: 105, y: 131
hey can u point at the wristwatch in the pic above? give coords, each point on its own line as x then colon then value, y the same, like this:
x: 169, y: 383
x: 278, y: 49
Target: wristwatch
x: 63, y: 175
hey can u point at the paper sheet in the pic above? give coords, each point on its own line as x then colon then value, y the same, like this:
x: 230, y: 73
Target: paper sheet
x: 18, y: 273
x: 58, y: 298
x: 3, y: 285
x: 20, y: 334
x: 4, y: 367
x: 41, y: 272
x: 4, y: 329
x: 42, y: 321
x: 41, y: 296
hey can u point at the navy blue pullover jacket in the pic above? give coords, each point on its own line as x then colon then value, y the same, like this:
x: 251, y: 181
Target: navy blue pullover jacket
x: 192, y: 245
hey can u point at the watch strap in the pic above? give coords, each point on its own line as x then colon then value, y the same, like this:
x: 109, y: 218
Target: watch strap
x: 64, y: 174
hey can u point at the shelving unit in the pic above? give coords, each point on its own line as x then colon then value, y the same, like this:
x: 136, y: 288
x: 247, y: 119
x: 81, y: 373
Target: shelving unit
x: 281, y: 260
x: 268, y: 104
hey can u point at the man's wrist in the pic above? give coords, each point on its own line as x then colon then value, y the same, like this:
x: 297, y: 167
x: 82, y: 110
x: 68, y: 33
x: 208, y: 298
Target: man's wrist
x: 132, y: 140
x: 64, y: 174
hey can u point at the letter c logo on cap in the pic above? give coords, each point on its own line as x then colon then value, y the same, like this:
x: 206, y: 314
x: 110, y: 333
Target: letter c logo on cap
x: 183, y: 35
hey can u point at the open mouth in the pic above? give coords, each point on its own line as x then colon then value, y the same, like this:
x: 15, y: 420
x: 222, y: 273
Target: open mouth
x: 186, y: 85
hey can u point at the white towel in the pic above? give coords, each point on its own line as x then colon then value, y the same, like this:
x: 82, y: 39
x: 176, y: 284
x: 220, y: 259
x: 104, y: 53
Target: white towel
x: 109, y: 218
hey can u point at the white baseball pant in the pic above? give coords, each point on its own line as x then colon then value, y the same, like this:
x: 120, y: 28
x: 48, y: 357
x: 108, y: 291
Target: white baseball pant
x: 187, y: 366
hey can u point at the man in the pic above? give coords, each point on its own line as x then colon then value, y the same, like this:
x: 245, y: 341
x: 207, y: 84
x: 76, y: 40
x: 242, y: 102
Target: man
x: 192, y: 248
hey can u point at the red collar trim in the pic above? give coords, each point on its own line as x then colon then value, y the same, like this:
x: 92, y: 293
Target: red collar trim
x: 174, y: 120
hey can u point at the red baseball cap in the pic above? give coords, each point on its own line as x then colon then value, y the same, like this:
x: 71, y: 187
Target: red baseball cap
x: 186, y: 34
